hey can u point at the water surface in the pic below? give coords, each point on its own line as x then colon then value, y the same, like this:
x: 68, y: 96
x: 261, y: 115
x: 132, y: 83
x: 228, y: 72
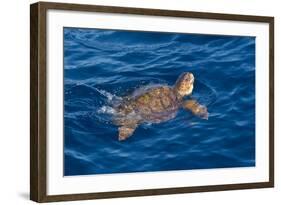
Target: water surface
x: 101, y: 66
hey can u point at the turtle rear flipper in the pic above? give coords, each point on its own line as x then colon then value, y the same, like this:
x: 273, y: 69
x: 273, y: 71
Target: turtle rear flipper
x: 126, y: 131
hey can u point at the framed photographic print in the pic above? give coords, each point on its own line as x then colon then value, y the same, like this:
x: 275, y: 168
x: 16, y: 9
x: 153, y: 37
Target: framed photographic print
x: 134, y: 102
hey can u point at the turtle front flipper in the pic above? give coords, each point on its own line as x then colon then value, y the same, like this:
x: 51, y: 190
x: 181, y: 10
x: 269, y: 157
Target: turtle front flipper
x: 126, y: 131
x: 197, y: 109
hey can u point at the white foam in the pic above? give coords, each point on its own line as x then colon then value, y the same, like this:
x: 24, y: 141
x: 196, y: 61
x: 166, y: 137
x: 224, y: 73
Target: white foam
x: 106, y: 110
x: 108, y: 95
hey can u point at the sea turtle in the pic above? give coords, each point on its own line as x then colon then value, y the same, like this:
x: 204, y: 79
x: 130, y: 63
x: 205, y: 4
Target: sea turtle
x: 156, y: 104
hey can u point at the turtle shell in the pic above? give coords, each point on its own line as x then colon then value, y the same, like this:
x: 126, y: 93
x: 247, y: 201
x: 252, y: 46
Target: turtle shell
x: 156, y: 104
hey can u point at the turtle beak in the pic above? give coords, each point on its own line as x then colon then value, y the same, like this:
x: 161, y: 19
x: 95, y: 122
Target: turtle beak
x: 192, y: 81
x: 191, y: 78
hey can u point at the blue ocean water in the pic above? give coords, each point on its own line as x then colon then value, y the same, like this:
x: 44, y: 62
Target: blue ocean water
x: 101, y: 66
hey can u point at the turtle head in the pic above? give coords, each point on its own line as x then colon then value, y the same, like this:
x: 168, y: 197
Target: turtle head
x: 184, y: 84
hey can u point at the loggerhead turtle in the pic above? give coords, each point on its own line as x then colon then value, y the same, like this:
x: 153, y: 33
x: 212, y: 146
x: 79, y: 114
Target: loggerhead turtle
x: 156, y: 104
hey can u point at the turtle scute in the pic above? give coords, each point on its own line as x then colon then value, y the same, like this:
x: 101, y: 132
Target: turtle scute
x: 155, y: 104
